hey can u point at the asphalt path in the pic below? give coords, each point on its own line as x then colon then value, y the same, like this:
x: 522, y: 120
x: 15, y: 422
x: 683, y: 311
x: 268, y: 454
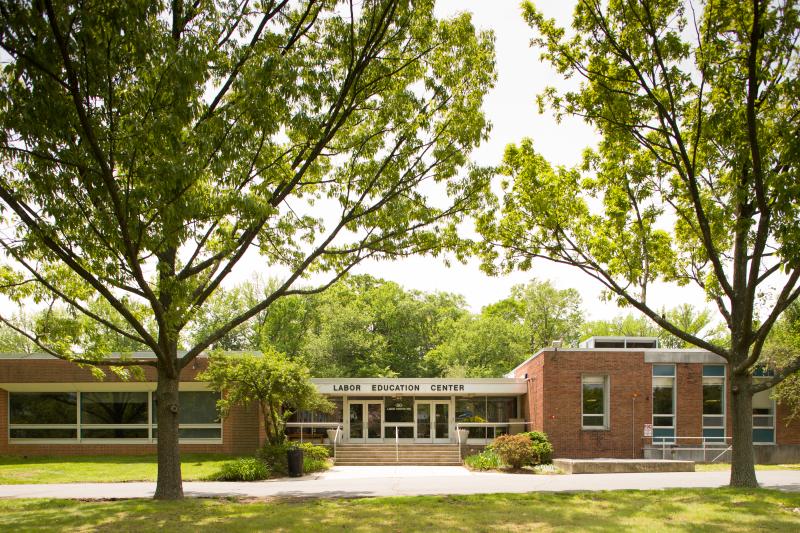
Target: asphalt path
x: 370, y: 481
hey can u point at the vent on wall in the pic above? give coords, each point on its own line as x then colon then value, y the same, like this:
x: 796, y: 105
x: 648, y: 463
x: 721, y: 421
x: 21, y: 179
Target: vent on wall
x: 620, y: 342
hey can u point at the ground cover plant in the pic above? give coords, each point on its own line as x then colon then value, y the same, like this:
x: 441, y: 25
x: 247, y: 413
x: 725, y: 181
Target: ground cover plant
x: 682, y: 510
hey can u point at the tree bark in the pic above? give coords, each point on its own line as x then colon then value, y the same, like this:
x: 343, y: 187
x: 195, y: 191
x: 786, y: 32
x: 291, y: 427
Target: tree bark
x: 743, y: 473
x: 169, y: 485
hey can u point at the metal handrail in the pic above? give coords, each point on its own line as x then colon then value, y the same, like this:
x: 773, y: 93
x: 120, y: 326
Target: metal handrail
x: 397, y: 444
x: 705, y: 442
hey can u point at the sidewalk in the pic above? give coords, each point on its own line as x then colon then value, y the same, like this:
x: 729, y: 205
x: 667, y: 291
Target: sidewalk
x: 367, y: 481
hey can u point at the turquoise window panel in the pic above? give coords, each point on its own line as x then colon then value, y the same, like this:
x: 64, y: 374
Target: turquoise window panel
x: 764, y: 436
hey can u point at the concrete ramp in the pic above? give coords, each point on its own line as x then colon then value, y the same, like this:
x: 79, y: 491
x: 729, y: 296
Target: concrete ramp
x: 621, y: 466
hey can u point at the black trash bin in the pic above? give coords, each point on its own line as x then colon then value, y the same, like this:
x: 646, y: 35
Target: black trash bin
x: 294, y: 457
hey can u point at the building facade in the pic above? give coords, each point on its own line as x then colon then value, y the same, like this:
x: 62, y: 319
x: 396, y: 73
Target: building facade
x: 611, y: 397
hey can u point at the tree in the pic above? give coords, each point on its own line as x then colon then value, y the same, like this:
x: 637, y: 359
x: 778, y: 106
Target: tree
x: 686, y: 317
x: 694, y: 179
x: 479, y: 346
x: 279, y: 386
x: 371, y: 327
x: 547, y: 313
x: 148, y: 147
x: 781, y: 350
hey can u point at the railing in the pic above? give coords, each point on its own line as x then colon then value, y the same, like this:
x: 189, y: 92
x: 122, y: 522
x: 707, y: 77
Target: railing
x: 397, y: 444
x: 705, y: 444
x: 302, y: 425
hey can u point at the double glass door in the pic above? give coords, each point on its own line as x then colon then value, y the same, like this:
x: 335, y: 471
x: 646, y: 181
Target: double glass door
x: 432, y: 421
x: 365, y: 421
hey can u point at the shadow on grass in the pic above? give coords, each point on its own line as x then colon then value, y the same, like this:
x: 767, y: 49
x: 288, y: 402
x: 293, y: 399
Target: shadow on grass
x: 681, y: 510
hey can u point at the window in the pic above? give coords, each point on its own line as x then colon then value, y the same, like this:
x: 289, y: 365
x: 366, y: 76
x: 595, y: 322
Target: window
x: 486, y: 410
x: 198, y: 418
x: 763, y: 418
x: 714, y: 403
x: 663, y: 404
x: 301, y: 424
x: 107, y: 416
x: 43, y: 415
x: 114, y: 415
x: 594, y: 401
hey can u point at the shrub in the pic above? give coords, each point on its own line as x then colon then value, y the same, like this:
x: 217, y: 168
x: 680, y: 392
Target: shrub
x: 514, y: 450
x: 317, y: 453
x: 486, y: 460
x: 243, y: 469
x: 314, y: 465
x: 542, y: 449
x: 314, y: 457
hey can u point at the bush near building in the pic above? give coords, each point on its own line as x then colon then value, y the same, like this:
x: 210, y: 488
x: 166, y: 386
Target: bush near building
x: 523, y: 449
x: 514, y: 450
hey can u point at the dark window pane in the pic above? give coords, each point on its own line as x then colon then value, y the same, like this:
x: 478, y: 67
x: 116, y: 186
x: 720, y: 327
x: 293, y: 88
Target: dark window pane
x: 477, y: 433
x: 198, y: 407
x: 663, y: 421
x: 712, y: 399
x: 500, y: 409
x: 399, y: 410
x: 471, y: 409
x: 43, y: 408
x: 593, y: 399
x: 662, y: 400
x: 200, y: 433
x: 403, y: 432
x: 114, y: 433
x: 114, y: 408
x: 593, y: 421
x: 20, y: 433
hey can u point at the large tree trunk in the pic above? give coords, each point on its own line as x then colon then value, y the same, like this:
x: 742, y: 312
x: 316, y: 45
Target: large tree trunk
x: 169, y: 485
x: 743, y: 473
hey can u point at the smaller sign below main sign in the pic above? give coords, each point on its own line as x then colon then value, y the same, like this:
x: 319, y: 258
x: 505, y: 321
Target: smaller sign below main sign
x: 648, y: 430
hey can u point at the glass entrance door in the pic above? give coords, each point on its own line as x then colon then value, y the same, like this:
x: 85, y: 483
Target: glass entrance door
x: 365, y: 421
x: 432, y: 421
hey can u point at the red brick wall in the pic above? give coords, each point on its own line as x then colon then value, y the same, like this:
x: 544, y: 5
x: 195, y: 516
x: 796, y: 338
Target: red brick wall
x: 689, y: 403
x: 787, y: 430
x: 240, y: 430
x: 628, y: 375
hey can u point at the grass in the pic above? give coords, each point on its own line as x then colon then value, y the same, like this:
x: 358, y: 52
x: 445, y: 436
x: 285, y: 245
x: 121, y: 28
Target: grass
x: 673, y: 510
x: 15, y: 470
x: 720, y: 467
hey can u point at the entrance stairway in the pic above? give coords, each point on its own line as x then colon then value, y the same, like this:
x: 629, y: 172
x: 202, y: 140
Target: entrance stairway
x: 405, y: 454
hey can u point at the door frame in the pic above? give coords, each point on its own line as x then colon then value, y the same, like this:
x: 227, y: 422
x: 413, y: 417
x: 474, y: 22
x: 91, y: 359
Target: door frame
x: 365, y: 421
x: 433, y: 439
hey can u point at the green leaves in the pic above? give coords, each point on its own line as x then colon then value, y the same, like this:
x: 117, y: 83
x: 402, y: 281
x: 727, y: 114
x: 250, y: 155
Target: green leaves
x: 689, y: 181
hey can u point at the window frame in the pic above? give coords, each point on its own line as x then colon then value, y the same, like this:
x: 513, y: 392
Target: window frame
x: 724, y: 402
x: 606, y: 382
x: 664, y: 439
x: 78, y: 426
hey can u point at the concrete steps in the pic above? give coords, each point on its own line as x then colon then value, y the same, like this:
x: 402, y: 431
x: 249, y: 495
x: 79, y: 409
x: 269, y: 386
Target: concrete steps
x: 405, y: 454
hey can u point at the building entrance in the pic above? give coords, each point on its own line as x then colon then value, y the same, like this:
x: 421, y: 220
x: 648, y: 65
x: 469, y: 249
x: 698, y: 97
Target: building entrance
x: 432, y: 422
x: 365, y: 421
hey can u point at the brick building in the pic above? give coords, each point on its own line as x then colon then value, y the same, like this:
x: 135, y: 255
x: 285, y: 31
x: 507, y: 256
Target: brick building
x: 612, y: 397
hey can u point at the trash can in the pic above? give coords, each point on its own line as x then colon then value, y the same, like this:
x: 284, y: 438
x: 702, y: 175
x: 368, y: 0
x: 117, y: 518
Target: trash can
x: 294, y: 457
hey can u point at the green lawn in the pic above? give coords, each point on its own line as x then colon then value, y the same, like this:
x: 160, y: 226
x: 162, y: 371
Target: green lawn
x: 674, y: 510
x: 17, y: 470
x: 717, y: 467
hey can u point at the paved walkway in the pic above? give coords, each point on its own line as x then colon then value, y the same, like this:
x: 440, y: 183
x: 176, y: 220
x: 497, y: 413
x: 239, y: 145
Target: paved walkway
x: 364, y: 481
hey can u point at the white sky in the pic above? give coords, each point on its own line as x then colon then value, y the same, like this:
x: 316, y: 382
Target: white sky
x: 512, y: 109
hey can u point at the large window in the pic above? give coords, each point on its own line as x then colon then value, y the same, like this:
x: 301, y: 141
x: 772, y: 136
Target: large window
x: 663, y: 404
x: 714, y: 403
x: 492, y: 412
x: 594, y: 402
x: 128, y: 416
x: 314, y: 425
x: 43, y: 415
x: 398, y: 417
x: 763, y: 418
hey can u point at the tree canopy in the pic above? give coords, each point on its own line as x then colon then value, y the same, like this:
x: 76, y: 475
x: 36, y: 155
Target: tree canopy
x: 694, y: 179
x: 148, y: 147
